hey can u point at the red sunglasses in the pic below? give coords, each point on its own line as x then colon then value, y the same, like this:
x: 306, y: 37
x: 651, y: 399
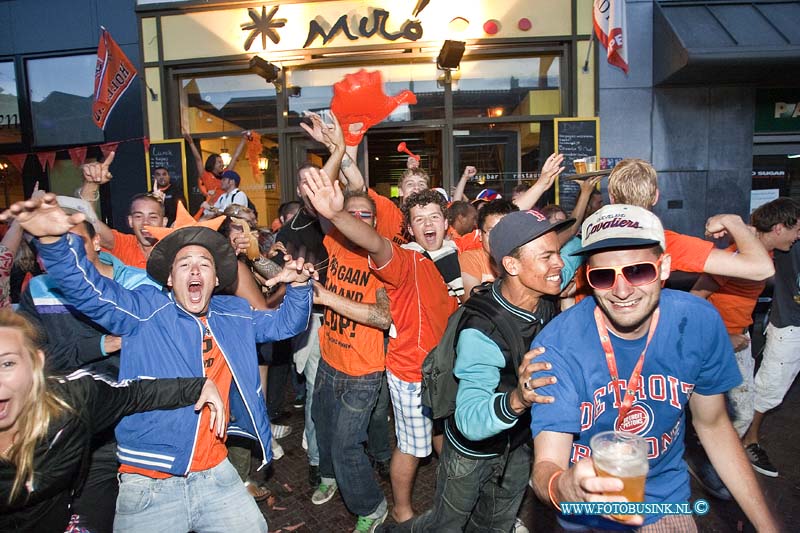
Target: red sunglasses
x: 637, y: 274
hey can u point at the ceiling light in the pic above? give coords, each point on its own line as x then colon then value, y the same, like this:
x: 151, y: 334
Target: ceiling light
x: 226, y: 156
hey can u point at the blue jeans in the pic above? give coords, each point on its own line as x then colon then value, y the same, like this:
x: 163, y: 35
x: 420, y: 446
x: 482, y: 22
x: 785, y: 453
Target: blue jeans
x: 342, y: 408
x: 378, y: 445
x: 476, y: 495
x: 214, y: 500
x: 306, y: 358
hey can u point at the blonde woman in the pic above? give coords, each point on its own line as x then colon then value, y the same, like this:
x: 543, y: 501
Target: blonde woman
x: 46, y: 425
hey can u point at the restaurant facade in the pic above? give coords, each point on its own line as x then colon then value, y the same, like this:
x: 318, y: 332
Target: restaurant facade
x: 526, y: 62
x: 712, y: 95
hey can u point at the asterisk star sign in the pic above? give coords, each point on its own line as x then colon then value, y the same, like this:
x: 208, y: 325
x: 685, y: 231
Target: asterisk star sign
x: 263, y: 25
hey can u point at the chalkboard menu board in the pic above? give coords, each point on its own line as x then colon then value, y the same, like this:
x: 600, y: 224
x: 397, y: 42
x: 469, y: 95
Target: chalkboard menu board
x: 574, y: 138
x: 170, y: 154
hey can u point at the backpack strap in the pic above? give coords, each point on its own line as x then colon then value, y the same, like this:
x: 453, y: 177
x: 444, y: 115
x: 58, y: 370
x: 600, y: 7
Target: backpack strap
x: 507, y: 329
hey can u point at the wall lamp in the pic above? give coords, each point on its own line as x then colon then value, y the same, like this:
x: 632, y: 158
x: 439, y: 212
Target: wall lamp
x: 264, y: 69
x: 450, y: 55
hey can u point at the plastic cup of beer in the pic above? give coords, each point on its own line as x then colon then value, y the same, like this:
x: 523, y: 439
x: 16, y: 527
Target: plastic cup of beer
x: 591, y: 164
x: 624, y: 456
x: 580, y: 166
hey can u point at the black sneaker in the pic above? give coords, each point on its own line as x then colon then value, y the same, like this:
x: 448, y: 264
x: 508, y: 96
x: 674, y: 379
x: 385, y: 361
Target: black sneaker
x: 299, y: 402
x: 760, y: 461
x: 710, y: 481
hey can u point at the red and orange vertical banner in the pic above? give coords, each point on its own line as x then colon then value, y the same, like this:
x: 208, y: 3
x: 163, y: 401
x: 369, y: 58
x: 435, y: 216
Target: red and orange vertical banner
x: 113, y: 74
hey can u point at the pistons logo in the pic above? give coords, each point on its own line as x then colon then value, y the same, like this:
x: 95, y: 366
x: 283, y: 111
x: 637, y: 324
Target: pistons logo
x: 638, y: 421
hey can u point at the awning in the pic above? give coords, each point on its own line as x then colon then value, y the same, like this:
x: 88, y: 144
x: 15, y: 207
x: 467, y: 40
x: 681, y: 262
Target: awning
x: 726, y: 42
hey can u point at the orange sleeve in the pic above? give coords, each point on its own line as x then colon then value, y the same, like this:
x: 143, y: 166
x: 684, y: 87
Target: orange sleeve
x: 397, y: 270
x: 689, y: 254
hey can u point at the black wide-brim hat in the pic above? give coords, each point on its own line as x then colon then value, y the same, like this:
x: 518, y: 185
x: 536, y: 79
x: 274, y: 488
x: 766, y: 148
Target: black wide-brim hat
x: 186, y: 231
x: 159, y: 264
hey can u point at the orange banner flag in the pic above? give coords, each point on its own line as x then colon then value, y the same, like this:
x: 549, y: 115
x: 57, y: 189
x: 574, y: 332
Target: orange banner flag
x: 113, y: 74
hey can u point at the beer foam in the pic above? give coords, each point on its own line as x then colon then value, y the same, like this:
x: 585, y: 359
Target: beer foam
x: 624, y: 459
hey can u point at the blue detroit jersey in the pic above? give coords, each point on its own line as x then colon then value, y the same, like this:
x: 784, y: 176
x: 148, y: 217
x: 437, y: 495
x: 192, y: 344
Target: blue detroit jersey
x: 690, y: 352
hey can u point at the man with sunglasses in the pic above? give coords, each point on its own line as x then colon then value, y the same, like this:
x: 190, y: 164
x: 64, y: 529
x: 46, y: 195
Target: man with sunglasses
x: 632, y: 359
x: 350, y: 374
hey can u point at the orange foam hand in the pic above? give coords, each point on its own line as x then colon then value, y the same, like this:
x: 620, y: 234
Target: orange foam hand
x: 359, y: 101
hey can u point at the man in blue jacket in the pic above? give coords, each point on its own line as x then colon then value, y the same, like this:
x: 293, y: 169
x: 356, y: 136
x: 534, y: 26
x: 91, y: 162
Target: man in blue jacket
x: 175, y: 478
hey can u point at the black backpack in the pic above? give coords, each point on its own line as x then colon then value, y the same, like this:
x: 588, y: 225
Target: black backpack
x: 439, y: 386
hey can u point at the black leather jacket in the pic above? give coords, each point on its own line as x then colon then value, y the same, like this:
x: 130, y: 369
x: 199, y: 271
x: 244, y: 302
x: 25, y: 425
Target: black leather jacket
x: 61, y: 457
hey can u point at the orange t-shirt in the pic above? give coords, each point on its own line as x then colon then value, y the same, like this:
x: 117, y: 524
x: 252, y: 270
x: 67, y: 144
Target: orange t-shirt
x: 420, y: 306
x: 476, y: 263
x: 735, y: 300
x: 126, y: 249
x: 211, y: 183
x: 349, y: 347
x: 209, y: 449
x: 469, y: 241
x: 390, y: 222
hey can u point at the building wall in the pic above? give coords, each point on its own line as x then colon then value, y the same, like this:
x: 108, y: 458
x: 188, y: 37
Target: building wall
x: 58, y: 26
x: 699, y: 139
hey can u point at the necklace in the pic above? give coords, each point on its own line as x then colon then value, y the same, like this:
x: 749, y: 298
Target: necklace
x: 632, y: 384
x: 294, y: 218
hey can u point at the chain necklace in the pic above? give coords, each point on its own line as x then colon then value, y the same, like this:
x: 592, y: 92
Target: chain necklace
x: 294, y: 218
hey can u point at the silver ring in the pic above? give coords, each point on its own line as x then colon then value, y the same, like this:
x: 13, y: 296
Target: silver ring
x: 527, y: 384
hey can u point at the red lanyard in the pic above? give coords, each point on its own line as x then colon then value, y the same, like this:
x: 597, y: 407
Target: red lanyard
x: 611, y: 360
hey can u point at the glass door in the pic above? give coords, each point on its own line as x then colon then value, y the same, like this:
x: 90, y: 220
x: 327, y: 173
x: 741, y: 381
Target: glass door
x: 385, y: 163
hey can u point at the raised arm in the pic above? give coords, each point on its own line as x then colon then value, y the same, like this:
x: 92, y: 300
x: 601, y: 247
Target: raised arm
x: 375, y: 315
x: 724, y: 449
x: 339, y: 164
x: 335, y: 139
x: 103, y: 300
x: 95, y: 175
x: 458, y: 193
x: 353, y: 178
x: 198, y: 159
x: 328, y: 201
x: 751, y: 261
x: 550, y: 171
x: 239, y: 149
x: 579, y: 213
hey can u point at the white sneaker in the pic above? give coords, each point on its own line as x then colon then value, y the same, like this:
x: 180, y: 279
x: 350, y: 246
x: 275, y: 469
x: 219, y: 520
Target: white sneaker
x: 305, y: 442
x: 280, y: 431
x: 277, y: 450
x: 519, y: 526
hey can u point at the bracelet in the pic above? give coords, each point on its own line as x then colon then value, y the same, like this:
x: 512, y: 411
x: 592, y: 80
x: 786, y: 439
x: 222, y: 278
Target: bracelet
x: 96, y: 196
x: 550, y: 489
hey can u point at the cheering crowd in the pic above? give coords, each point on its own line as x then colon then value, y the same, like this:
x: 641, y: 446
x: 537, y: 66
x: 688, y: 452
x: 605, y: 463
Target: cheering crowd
x: 136, y: 382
